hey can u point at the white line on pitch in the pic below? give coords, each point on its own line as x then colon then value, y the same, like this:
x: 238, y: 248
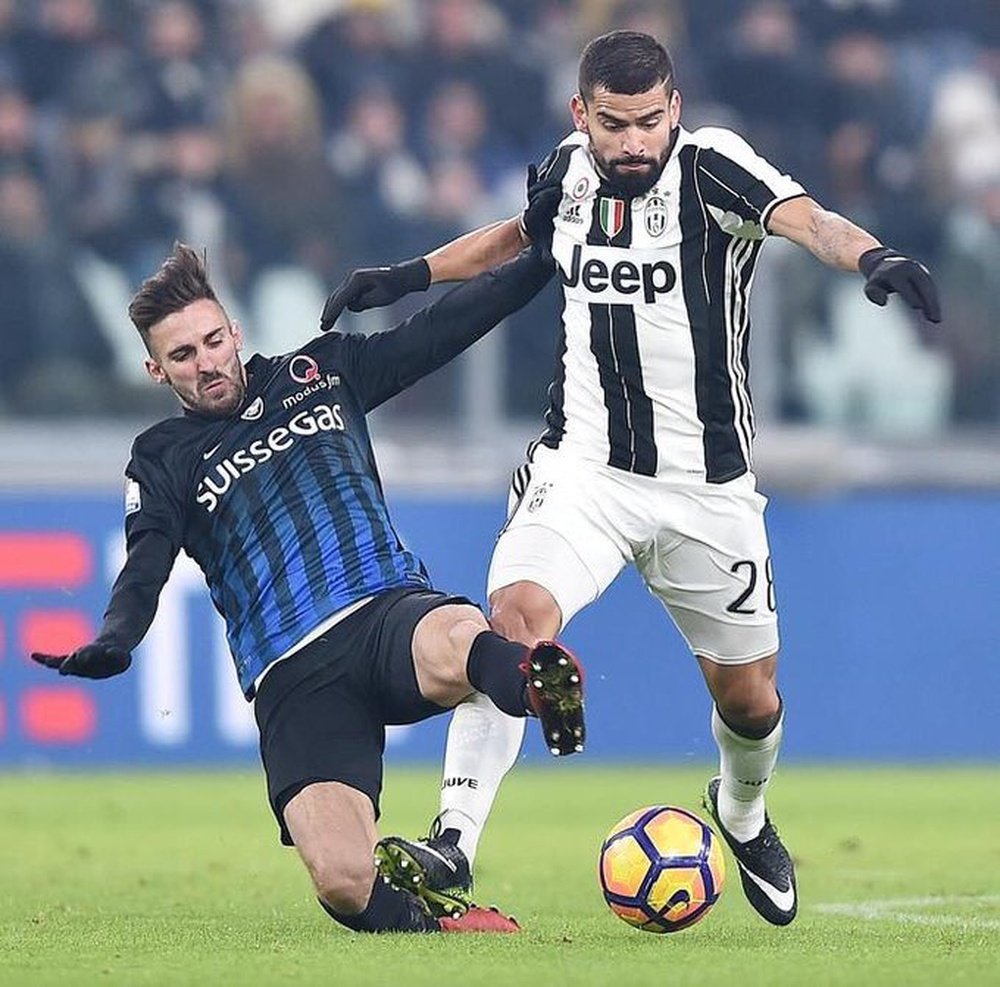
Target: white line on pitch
x: 888, y: 910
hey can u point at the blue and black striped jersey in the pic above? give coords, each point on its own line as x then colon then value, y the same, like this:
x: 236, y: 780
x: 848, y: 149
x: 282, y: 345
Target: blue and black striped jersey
x: 280, y: 503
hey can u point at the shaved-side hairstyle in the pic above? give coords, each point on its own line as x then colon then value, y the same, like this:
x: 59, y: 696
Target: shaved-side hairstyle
x: 181, y: 280
x: 626, y: 62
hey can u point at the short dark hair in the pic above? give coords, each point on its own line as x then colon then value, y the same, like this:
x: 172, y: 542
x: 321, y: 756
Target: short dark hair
x: 181, y: 280
x: 626, y: 62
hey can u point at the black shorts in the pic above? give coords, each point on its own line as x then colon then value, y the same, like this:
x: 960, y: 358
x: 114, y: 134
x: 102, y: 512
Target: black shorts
x: 322, y: 712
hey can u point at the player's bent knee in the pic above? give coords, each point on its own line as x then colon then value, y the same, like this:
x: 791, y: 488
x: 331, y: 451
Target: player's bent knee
x: 746, y: 695
x: 525, y: 612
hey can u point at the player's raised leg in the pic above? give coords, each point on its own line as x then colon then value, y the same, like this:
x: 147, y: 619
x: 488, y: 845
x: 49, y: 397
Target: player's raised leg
x: 747, y: 721
x: 456, y: 652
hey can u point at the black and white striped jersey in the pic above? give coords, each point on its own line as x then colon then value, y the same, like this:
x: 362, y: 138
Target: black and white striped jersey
x: 653, y: 359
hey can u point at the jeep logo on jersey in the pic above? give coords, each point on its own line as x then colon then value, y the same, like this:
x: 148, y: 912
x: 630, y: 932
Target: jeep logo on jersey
x: 612, y: 214
x: 303, y: 369
x: 655, y: 215
x: 311, y: 421
x: 624, y: 278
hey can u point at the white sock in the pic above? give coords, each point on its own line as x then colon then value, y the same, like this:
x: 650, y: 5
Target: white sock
x: 746, y: 767
x: 483, y: 744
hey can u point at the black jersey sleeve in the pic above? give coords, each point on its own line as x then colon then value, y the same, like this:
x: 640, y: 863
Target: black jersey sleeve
x: 154, y: 531
x: 153, y: 501
x: 137, y: 590
x: 386, y: 363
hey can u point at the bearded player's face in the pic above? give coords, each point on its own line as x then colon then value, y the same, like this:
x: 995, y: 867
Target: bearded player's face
x: 196, y: 351
x: 630, y: 135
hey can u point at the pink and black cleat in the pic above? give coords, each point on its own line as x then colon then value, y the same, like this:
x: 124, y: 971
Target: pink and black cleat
x: 555, y: 691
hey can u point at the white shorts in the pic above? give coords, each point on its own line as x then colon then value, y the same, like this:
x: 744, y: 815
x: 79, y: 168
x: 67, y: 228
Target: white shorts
x: 701, y: 548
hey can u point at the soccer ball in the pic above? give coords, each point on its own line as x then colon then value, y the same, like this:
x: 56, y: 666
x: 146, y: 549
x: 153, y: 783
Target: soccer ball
x: 661, y: 869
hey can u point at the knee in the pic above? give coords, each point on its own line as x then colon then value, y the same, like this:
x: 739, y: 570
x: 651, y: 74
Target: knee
x: 525, y: 613
x: 345, y: 886
x: 751, y: 705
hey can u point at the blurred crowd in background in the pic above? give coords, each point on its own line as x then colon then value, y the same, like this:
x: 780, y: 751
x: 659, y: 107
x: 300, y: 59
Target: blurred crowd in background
x: 373, y: 131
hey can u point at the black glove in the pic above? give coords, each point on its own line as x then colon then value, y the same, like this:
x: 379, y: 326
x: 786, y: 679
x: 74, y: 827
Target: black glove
x: 374, y: 287
x: 544, y: 196
x: 92, y: 661
x: 887, y: 271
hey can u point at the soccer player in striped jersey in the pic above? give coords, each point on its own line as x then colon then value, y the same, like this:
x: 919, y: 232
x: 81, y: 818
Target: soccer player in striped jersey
x: 267, y: 479
x: 646, y: 454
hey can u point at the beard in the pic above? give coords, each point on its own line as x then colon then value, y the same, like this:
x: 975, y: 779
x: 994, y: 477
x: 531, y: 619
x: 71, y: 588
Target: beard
x: 215, y: 402
x: 633, y: 183
x: 224, y: 400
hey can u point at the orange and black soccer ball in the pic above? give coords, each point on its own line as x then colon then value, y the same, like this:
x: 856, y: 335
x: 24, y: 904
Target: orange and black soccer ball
x: 661, y: 869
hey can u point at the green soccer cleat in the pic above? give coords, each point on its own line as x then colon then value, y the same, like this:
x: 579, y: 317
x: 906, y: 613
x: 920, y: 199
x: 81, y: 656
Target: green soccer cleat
x: 434, y: 869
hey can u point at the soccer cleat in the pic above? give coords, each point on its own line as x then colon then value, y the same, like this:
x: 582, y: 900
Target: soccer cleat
x: 478, y: 919
x: 766, y: 870
x: 555, y: 691
x: 435, y: 870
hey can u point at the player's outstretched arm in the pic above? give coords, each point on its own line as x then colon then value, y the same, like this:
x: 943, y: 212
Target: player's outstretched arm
x: 459, y: 260
x: 129, y: 614
x: 385, y: 363
x: 839, y: 243
x: 492, y: 245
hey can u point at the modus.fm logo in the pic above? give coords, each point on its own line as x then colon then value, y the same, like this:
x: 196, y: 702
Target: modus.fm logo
x: 305, y: 370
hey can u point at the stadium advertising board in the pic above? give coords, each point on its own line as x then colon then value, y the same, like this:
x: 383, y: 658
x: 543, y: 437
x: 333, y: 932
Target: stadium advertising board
x: 885, y: 608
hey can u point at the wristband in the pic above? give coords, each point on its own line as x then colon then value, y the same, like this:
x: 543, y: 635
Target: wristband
x: 415, y: 275
x: 870, y: 259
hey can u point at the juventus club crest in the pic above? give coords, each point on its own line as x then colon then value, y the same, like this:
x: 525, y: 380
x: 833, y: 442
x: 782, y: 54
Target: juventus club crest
x: 655, y: 215
x: 538, y: 497
x: 612, y: 216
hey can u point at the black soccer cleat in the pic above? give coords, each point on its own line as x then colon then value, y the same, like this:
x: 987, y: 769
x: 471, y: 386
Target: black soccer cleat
x: 555, y: 691
x: 766, y: 870
x: 434, y: 869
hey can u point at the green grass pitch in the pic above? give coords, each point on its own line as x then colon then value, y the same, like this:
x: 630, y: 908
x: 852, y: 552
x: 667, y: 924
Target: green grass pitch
x: 178, y: 879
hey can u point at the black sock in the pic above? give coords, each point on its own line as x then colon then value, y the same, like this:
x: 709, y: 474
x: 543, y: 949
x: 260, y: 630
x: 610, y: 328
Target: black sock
x: 492, y: 669
x: 762, y: 731
x: 388, y: 910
